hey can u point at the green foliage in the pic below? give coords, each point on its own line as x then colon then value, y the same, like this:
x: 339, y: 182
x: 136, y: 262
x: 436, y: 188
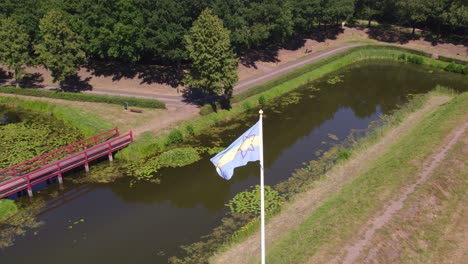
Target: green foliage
x: 23, y: 221
x: 248, y: 202
x: 190, y: 130
x: 36, y: 134
x: 343, y: 154
x: 214, y: 65
x: 206, y: 109
x: 14, y: 47
x: 7, y: 209
x: 175, y: 137
x: 415, y: 59
x: 87, y: 124
x: 457, y: 68
x: 179, y: 157
x: 262, y: 101
x: 86, y: 97
x: 60, y: 49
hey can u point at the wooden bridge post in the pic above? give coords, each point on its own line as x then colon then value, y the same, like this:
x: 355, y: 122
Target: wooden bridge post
x: 30, y: 192
x: 86, y: 165
x: 111, y: 158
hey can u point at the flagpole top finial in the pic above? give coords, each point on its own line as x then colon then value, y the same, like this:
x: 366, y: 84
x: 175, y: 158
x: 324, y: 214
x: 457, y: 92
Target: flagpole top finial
x: 260, y: 112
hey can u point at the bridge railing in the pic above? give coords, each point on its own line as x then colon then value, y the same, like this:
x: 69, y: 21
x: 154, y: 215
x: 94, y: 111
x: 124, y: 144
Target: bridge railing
x: 32, y: 164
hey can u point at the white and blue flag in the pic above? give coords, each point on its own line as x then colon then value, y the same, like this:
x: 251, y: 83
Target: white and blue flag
x: 246, y: 148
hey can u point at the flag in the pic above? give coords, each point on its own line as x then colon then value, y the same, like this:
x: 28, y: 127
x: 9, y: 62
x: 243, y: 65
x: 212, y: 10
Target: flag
x: 246, y: 148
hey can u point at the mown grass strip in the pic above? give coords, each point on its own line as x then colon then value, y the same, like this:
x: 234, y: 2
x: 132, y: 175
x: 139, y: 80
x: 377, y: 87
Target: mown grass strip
x: 341, y: 215
x: 84, y: 97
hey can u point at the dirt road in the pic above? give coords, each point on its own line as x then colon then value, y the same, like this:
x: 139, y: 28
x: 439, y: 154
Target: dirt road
x: 243, y: 85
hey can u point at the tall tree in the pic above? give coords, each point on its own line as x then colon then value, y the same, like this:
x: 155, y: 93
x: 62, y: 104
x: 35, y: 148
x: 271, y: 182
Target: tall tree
x: 412, y: 12
x: 60, y: 49
x: 369, y: 9
x: 214, y: 65
x: 14, y: 47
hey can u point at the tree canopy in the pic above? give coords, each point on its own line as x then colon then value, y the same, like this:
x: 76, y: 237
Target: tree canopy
x: 149, y: 30
x: 14, y: 47
x: 214, y: 64
x: 60, y: 48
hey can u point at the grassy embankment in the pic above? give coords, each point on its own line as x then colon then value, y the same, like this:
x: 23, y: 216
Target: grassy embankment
x: 87, y: 124
x: 7, y: 209
x: 85, y: 97
x: 149, y: 144
x: 339, y: 218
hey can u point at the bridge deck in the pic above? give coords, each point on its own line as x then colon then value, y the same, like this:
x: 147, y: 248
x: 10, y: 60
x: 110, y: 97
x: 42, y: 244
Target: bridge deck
x: 14, y: 182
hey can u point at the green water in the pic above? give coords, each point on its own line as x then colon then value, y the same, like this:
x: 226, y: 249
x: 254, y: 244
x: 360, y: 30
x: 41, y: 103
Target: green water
x: 147, y: 223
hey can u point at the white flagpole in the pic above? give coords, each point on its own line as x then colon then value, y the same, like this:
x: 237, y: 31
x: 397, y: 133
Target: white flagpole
x: 262, y: 190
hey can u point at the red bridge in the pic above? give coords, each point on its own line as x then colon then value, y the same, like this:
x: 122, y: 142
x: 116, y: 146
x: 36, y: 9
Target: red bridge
x: 53, y: 164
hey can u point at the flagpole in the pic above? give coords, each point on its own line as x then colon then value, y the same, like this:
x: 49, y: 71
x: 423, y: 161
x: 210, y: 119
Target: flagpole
x: 262, y: 189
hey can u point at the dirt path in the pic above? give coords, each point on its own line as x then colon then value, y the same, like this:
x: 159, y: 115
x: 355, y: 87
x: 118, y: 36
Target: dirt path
x: 393, y: 207
x: 243, y: 85
x: 305, y: 203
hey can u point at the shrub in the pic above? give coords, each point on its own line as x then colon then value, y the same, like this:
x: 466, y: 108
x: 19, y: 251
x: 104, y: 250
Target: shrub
x: 343, y: 154
x: 457, y: 68
x: 415, y: 59
x: 206, y: 109
x: 402, y: 57
x: 175, y: 137
x: 262, y: 101
x: 190, y: 130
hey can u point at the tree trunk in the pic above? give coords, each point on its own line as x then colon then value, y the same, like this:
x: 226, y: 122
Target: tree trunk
x: 16, y: 79
x: 414, y: 30
x: 369, y: 24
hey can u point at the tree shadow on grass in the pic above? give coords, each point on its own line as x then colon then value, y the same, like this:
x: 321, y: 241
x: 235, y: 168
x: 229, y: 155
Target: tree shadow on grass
x: 75, y: 84
x: 148, y: 74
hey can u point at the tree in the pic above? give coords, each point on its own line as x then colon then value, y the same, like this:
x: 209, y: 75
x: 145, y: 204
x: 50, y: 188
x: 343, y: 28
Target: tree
x: 412, y: 12
x: 60, y: 48
x: 14, y: 47
x: 214, y: 65
x: 369, y: 9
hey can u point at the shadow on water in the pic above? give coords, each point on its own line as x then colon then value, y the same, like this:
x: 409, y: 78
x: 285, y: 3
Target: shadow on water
x: 147, y: 223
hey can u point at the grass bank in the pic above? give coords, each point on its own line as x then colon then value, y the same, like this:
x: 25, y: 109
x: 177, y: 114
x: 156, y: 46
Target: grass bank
x: 85, y: 97
x: 149, y: 144
x: 87, y: 124
x: 341, y: 215
x: 7, y: 209
x: 237, y: 228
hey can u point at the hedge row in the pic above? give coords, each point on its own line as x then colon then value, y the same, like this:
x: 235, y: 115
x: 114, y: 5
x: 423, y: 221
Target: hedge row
x: 86, y: 97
